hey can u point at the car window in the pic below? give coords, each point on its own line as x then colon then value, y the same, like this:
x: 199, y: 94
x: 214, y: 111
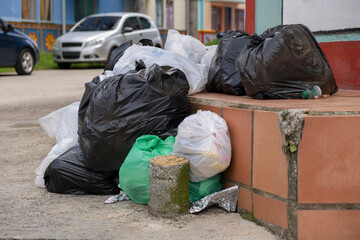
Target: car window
x: 133, y: 23
x: 145, y: 23
x: 98, y: 24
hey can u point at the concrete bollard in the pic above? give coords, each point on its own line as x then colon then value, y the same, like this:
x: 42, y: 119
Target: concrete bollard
x: 169, y: 186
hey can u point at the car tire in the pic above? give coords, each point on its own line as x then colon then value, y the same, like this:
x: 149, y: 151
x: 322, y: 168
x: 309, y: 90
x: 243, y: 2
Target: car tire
x: 25, y: 62
x: 64, y: 65
x: 110, y: 52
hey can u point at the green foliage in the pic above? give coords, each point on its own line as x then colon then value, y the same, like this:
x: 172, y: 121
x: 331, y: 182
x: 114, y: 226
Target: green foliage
x: 214, y: 42
x: 290, y: 146
x: 45, y: 61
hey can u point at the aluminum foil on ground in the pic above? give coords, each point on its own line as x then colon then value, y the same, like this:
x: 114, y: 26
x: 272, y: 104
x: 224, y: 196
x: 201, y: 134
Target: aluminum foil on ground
x: 226, y: 199
x: 117, y: 198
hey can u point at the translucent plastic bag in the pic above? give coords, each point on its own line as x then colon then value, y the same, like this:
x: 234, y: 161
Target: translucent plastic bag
x: 185, y: 45
x: 61, y: 125
x: 134, y: 172
x: 196, y: 74
x: 204, y: 139
x: 208, y: 56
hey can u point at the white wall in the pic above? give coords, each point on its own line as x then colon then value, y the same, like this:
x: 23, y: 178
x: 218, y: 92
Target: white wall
x: 322, y: 15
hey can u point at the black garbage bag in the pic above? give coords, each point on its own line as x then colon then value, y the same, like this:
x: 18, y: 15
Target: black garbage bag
x: 282, y: 62
x: 68, y: 174
x: 146, y: 42
x: 84, y: 103
x: 122, y: 108
x: 223, y: 76
x: 116, y: 55
x: 90, y: 87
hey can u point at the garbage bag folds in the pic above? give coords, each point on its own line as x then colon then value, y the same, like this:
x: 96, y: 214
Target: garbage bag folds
x: 68, y: 174
x: 223, y: 76
x: 90, y: 87
x: 134, y: 172
x: 208, y: 56
x: 204, y: 139
x: 152, y: 101
x: 282, y: 62
x: 61, y: 125
x: 116, y: 55
x: 196, y: 74
x: 198, y: 190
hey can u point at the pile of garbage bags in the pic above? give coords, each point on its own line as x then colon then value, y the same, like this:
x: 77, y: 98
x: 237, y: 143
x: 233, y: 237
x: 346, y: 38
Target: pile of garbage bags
x: 280, y: 63
x: 138, y: 108
x: 129, y: 114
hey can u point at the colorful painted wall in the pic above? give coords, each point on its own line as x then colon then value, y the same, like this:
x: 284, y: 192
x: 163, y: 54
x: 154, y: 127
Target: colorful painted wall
x: 335, y: 24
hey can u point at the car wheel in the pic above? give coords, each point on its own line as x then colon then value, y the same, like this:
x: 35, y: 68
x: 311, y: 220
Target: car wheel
x: 25, y: 62
x: 64, y: 65
x: 110, y: 52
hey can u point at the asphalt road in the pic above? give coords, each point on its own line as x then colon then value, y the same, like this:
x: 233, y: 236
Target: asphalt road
x: 27, y: 211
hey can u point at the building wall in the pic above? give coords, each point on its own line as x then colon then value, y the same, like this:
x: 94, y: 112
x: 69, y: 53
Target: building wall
x: 267, y: 14
x: 150, y: 9
x: 323, y: 15
x: 207, y: 13
x: 10, y: 10
x: 180, y: 14
x: 110, y: 6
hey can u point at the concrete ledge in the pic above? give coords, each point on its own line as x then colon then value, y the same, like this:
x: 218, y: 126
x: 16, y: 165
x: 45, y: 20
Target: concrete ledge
x: 293, y: 160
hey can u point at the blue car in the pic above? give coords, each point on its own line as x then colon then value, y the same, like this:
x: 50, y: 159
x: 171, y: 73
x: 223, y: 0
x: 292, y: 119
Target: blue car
x: 17, y: 49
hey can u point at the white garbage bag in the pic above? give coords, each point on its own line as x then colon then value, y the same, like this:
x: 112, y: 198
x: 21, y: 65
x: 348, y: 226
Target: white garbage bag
x: 62, y: 125
x: 184, y: 45
x: 204, y: 139
x: 210, y: 52
x: 196, y: 74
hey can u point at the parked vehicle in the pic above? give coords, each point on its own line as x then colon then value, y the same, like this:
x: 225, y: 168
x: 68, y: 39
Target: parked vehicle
x: 17, y: 49
x: 93, y: 38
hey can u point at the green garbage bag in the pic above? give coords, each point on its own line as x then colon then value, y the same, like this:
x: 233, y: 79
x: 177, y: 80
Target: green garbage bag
x: 198, y: 190
x: 134, y: 172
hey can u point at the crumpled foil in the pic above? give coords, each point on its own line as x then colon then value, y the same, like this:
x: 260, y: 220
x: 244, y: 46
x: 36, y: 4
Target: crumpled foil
x: 227, y: 199
x: 117, y: 198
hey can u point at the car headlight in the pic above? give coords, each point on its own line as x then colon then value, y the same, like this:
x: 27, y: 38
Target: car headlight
x: 94, y: 42
x: 57, y: 44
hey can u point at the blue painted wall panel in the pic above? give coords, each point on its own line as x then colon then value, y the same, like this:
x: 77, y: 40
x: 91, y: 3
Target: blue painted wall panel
x: 201, y: 15
x: 10, y: 10
x: 268, y: 13
x: 105, y: 6
x: 58, y: 11
x: 70, y: 14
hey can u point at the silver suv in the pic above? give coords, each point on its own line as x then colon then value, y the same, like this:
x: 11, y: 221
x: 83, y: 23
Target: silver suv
x: 96, y: 36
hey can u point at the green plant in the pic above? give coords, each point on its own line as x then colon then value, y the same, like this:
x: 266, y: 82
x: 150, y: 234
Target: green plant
x: 213, y: 42
x: 290, y: 146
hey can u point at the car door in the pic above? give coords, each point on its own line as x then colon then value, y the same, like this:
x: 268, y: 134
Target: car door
x: 135, y: 35
x: 7, y: 47
x: 148, y: 32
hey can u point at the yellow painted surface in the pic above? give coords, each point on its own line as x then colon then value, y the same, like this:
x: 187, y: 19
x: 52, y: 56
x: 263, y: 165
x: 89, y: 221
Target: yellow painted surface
x: 180, y: 14
x: 207, y: 13
x: 150, y: 9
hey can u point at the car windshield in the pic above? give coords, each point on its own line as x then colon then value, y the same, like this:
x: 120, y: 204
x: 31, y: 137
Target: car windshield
x: 97, y: 24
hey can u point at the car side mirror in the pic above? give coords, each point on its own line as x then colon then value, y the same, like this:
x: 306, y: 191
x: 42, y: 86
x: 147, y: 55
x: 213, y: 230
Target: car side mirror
x: 127, y: 29
x: 9, y: 28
